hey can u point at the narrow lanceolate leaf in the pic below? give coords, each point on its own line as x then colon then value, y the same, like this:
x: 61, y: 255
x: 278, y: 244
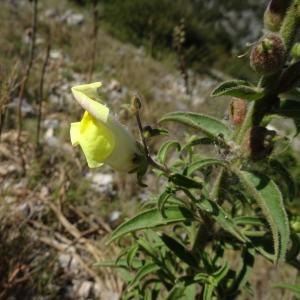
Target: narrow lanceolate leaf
x: 176, y: 293
x: 238, y: 88
x: 248, y: 220
x: 222, y: 218
x: 199, y: 164
x: 185, y: 182
x: 295, y: 288
x: 229, y: 84
x: 195, y: 141
x: 131, y: 255
x: 121, y: 263
x: 162, y: 200
x: 210, y: 126
x: 151, y: 218
x: 220, y: 274
x: 142, y: 273
x: 269, y: 198
x: 165, y: 148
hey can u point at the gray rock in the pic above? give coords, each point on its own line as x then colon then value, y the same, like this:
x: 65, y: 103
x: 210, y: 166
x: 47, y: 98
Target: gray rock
x: 51, y: 13
x: 101, y: 182
x: 56, y: 54
x: 85, y: 289
x: 114, y: 216
x: 26, y: 108
x: 72, y: 19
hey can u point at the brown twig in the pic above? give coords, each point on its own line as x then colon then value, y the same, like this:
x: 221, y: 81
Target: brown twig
x: 6, y: 90
x: 25, y: 80
x: 179, y: 36
x: 41, y: 92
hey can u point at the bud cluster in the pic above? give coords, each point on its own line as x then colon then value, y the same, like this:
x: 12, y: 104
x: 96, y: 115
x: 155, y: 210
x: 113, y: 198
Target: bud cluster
x: 238, y: 110
x: 275, y: 13
x: 268, y: 55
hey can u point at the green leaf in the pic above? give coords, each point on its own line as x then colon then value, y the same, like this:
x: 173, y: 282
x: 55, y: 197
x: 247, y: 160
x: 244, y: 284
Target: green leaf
x: 248, y: 220
x: 142, y: 273
x: 202, y: 163
x: 222, y: 218
x: 194, y: 141
x: 179, y: 250
x: 269, y: 198
x: 210, y: 126
x: 150, y: 219
x: 150, y: 132
x: 185, y: 182
x: 239, y: 89
x: 228, y: 85
x: 290, y: 78
x: 131, y: 255
x: 149, y: 249
x: 202, y: 277
x: 220, y: 274
x: 121, y: 263
x: 176, y: 293
x: 208, y: 291
x: 165, y: 148
x: 162, y: 200
x: 292, y: 287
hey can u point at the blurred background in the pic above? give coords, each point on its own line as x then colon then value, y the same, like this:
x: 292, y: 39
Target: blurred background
x: 55, y: 212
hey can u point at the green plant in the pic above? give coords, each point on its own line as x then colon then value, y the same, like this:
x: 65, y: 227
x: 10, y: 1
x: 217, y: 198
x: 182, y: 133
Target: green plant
x: 235, y: 203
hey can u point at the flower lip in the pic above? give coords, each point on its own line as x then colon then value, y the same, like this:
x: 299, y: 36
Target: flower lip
x: 85, y: 94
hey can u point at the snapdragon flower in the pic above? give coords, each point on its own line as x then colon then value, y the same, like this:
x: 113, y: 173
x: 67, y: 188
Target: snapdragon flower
x: 101, y: 137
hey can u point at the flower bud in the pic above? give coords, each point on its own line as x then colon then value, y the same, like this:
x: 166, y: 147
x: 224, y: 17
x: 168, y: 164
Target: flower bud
x: 268, y: 55
x: 275, y: 13
x: 136, y: 104
x: 258, y: 143
x: 238, y: 110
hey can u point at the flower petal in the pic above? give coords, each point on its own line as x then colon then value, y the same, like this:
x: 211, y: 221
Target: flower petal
x: 75, y: 133
x: 85, y: 95
x: 96, y: 140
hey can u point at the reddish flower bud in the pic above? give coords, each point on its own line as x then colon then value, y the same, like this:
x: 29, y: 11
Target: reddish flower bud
x: 238, y: 110
x: 275, y: 13
x: 258, y: 143
x: 268, y: 55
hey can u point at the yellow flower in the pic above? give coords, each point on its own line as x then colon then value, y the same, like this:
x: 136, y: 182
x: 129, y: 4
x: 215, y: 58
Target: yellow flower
x: 102, y: 138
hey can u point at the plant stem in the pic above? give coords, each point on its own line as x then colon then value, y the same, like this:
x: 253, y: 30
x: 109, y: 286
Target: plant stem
x: 41, y: 93
x: 24, y: 83
x: 94, y: 40
x: 150, y: 160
